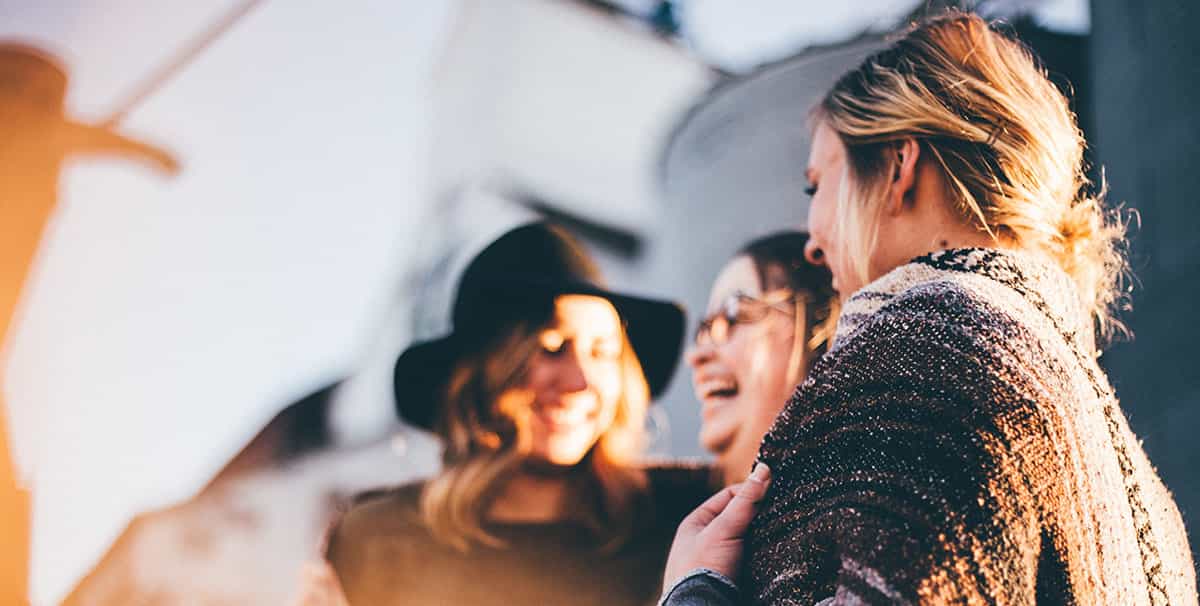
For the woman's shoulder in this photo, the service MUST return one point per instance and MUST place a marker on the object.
(391, 515)
(926, 322)
(407, 493)
(982, 295)
(403, 500)
(925, 348)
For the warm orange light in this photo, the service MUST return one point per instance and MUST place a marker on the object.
(35, 138)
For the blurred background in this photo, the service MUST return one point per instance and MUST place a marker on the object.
(215, 277)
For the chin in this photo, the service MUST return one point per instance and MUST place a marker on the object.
(564, 455)
(718, 434)
(562, 460)
(714, 444)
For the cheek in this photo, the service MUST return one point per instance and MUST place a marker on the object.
(515, 404)
(820, 218)
(605, 379)
(607, 385)
(767, 369)
(736, 355)
(538, 374)
(760, 364)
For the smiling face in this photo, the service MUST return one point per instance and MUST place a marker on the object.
(572, 383)
(743, 383)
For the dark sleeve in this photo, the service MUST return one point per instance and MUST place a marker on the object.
(701, 587)
(895, 480)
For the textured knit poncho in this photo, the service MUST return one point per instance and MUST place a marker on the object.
(959, 444)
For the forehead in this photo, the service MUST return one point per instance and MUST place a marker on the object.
(739, 275)
(586, 313)
(827, 149)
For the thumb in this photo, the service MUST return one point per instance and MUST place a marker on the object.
(703, 515)
(733, 521)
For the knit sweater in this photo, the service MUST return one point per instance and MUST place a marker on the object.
(960, 444)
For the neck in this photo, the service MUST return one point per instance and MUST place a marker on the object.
(532, 497)
(922, 235)
(968, 238)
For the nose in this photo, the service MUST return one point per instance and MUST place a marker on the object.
(571, 375)
(813, 253)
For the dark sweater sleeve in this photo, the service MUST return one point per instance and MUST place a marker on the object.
(702, 587)
(893, 477)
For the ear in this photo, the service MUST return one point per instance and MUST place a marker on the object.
(904, 175)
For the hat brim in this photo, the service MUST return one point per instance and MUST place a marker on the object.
(655, 329)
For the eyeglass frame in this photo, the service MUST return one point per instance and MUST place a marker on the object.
(728, 312)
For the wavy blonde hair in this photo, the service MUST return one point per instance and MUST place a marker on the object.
(483, 447)
(1003, 136)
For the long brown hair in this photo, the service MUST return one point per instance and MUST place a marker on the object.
(483, 446)
(1003, 137)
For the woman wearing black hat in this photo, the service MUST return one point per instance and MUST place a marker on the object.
(539, 394)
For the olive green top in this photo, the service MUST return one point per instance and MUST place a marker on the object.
(385, 555)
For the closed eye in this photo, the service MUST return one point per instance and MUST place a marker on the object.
(811, 190)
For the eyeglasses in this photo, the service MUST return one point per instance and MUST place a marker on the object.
(740, 308)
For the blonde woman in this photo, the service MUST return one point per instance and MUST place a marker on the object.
(959, 443)
(540, 395)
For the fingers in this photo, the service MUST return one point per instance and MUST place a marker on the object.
(755, 486)
(735, 518)
(707, 511)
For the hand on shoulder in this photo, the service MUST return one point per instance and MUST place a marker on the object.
(711, 536)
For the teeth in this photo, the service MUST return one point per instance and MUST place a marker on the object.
(717, 386)
(565, 416)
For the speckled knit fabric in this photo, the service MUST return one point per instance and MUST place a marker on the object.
(960, 444)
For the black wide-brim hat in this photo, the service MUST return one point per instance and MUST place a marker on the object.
(517, 277)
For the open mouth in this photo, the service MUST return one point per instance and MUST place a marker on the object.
(718, 389)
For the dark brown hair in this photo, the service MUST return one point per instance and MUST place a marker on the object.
(780, 264)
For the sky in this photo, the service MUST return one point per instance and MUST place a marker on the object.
(738, 35)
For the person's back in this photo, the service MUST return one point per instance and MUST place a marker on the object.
(957, 445)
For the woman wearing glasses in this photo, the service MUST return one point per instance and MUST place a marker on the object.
(770, 316)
